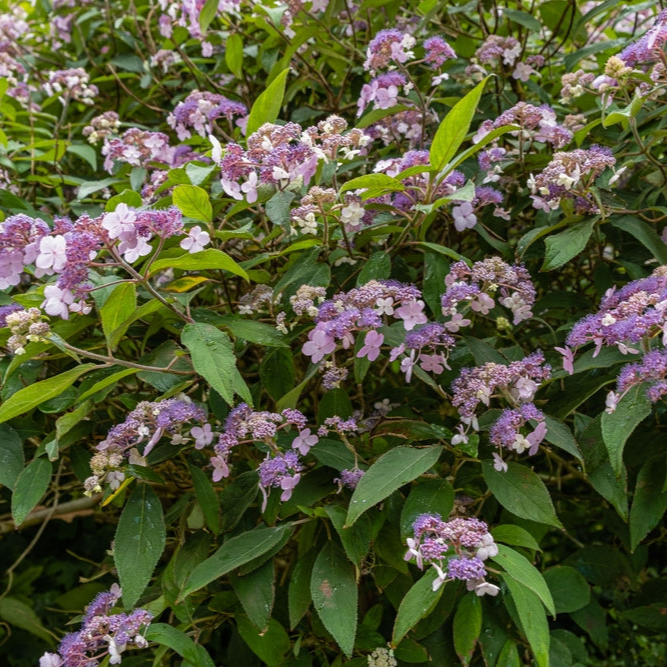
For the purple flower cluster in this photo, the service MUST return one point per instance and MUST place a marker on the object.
(651, 370)
(570, 175)
(349, 478)
(199, 111)
(404, 125)
(437, 51)
(511, 287)
(148, 421)
(102, 634)
(387, 47)
(383, 91)
(428, 346)
(102, 126)
(72, 84)
(649, 47)
(363, 309)
(496, 49)
(279, 469)
(462, 544)
(506, 431)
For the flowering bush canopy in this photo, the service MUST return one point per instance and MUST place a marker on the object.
(330, 343)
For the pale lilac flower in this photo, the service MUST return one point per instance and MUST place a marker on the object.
(372, 344)
(220, 468)
(195, 240)
(203, 435)
(464, 216)
(412, 314)
(119, 223)
(318, 346)
(498, 463)
(304, 441)
(57, 301)
(52, 253)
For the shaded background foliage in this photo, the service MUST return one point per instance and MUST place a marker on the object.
(583, 538)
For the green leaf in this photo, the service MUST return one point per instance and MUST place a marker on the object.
(85, 152)
(514, 535)
(389, 473)
(429, 496)
(278, 208)
(139, 542)
(356, 539)
(298, 593)
(30, 397)
(199, 261)
(467, 626)
(277, 373)
(233, 553)
(569, 588)
(234, 54)
(65, 423)
(509, 656)
(650, 501)
(207, 498)
(212, 357)
(129, 197)
(522, 492)
(256, 592)
(617, 427)
(107, 382)
(532, 618)
(644, 233)
(270, 646)
(253, 331)
(453, 129)
(12, 459)
(177, 640)
(31, 485)
(335, 403)
(207, 14)
(559, 434)
(140, 313)
(523, 18)
(266, 108)
(118, 307)
(193, 202)
(378, 267)
(418, 602)
(377, 184)
(20, 615)
(520, 568)
(334, 592)
(235, 499)
(333, 453)
(90, 187)
(562, 247)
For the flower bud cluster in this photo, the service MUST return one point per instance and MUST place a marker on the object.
(102, 126)
(459, 545)
(74, 83)
(25, 325)
(102, 634)
(199, 111)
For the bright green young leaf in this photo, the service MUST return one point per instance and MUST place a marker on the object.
(650, 501)
(569, 588)
(129, 197)
(532, 618)
(212, 357)
(207, 14)
(523, 18)
(30, 397)
(266, 108)
(374, 182)
(178, 641)
(85, 152)
(234, 54)
(233, 553)
(509, 655)
(617, 427)
(107, 382)
(416, 604)
(467, 626)
(118, 307)
(453, 129)
(256, 592)
(389, 473)
(514, 535)
(522, 492)
(562, 247)
(139, 313)
(520, 568)
(199, 261)
(31, 485)
(66, 422)
(12, 459)
(139, 542)
(334, 591)
(193, 202)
